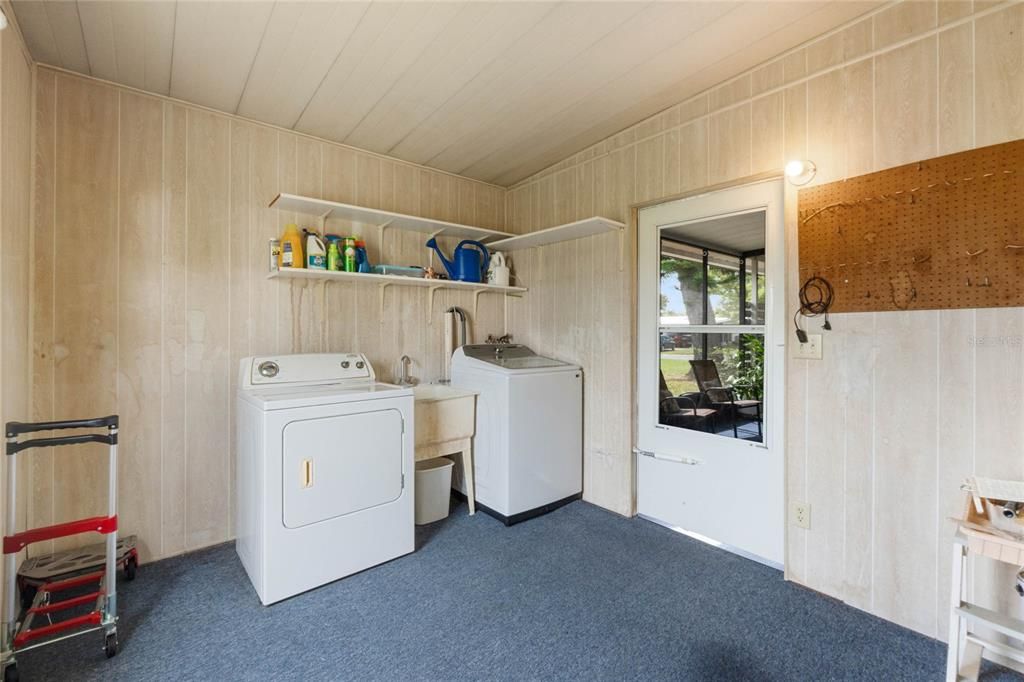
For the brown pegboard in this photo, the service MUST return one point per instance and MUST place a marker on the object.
(933, 234)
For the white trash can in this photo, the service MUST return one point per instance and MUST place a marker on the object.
(433, 489)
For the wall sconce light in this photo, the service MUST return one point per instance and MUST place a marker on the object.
(800, 172)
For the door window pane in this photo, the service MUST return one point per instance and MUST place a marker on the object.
(712, 381)
(720, 395)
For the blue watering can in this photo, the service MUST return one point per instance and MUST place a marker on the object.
(465, 265)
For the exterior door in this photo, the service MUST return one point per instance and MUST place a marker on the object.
(710, 335)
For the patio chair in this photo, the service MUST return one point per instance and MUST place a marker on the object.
(722, 397)
(682, 410)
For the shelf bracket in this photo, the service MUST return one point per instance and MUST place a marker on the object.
(430, 304)
(321, 292)
(383, 289)
(380, 234)
(476, 298)
(322, 219)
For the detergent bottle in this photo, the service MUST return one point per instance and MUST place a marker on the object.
(362, 259)
(290, 255)
(333, 256)
(348, 254)
(316, 252)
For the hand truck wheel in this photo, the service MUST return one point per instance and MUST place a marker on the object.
(109, 645)
(11, 673)
(130, 566)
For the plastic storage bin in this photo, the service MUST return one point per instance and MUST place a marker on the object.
(433, 489)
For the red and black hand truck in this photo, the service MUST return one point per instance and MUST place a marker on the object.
(19, 635)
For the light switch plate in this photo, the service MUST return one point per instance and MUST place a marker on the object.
(809, 350)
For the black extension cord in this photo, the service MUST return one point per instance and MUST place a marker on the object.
(816, 296)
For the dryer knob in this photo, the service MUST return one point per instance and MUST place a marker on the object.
(345, 364)
(269, 369)
(360, 364)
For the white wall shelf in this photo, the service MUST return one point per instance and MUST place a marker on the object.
(559, 233)
(332, 275)
(384, 281)
(326, 210)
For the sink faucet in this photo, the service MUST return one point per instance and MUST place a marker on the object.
(404, 378)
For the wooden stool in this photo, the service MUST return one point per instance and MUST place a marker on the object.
(965, 648)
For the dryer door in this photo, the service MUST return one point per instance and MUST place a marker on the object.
(340, 465)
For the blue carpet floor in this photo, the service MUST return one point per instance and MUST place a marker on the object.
(578, 594)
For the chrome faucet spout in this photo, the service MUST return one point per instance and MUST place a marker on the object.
(404, 378)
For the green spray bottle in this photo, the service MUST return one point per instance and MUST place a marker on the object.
(333, 256)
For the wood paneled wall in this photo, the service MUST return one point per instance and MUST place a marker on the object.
(881, 431)
(151, 229)
(16, 238)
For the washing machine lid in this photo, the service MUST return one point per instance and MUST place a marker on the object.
(507, 358)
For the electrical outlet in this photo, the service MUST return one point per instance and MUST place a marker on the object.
(810, 349)
(801, 515)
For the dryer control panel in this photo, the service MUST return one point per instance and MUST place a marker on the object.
(305, 369)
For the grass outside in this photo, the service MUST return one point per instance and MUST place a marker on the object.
(675, 365)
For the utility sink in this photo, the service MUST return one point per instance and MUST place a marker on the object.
(429, 392)
(443, 414)
(445, 425)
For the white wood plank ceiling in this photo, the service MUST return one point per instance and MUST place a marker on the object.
(491, 90)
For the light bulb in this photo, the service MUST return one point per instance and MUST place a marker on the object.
(3, 20)
(800, 172)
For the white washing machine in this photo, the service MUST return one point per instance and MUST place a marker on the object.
(528, 447)
(324, 471)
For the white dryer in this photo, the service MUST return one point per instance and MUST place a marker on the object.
(324, 466)
(528, 447)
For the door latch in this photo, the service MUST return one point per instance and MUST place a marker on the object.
(307, 473)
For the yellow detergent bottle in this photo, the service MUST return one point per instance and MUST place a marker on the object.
(290, 255)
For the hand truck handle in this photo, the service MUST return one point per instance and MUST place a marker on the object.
(15, 428)
(15, 448)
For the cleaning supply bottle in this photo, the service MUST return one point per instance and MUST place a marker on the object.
(290, 255)
(351, 264)
(316, 252)
(362, 259)
(333, 256)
